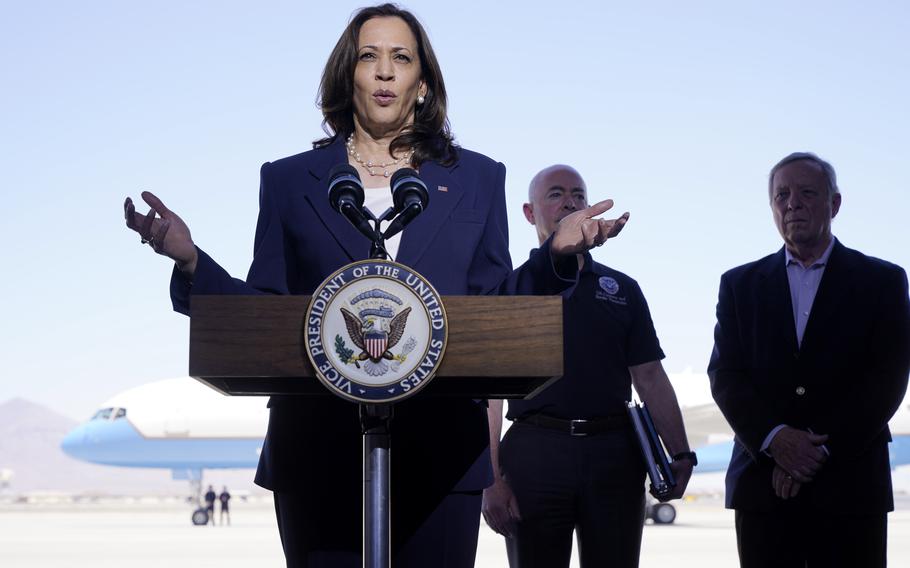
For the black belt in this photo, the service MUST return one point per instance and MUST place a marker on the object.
(612, 423)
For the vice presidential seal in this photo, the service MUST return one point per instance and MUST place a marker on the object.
(375, 332)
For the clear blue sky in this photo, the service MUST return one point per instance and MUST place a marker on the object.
(675, 110)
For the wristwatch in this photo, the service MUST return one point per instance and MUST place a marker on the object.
(686, 456)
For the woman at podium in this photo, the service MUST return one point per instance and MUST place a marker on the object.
(384, 105)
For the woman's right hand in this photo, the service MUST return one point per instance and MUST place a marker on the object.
(165, 232)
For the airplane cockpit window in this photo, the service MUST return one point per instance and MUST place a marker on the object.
(121, 412)
(103, 414)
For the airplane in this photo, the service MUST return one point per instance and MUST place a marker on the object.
(187, 427)
(178, 424)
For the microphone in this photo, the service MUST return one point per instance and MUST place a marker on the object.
(409, 197)
(346, 197)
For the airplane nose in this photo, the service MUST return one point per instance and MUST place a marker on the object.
(74, 443)
(99, 441)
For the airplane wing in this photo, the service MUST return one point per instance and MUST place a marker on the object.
(705, 425)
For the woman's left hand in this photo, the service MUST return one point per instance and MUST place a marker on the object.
(579, 232)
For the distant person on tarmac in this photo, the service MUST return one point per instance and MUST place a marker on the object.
(225, 509)
(210, 504)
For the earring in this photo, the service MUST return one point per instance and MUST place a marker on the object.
(420, 100)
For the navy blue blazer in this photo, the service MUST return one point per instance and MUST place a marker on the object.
(460, 243)
(846, 379)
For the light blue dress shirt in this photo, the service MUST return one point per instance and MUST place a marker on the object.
(804, 281)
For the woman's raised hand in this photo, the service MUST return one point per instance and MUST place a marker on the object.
(164, 231)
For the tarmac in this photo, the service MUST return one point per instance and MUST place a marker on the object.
(149, 533)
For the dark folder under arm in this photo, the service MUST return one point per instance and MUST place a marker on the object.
(652, 450)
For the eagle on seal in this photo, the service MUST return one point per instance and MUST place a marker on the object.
(375, 344)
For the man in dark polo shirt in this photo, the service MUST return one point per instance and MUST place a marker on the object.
(570, 462)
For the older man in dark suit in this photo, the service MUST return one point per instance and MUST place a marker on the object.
(810, 361)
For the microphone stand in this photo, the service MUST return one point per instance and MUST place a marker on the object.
(377, 244)
(375, 420)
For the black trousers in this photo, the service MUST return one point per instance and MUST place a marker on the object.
(593, 485)
(798, 536)
(447, 538)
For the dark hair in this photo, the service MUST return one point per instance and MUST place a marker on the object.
(430, 135)
(825, 167)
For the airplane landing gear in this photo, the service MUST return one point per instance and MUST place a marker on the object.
(661, 513)
(200, 516)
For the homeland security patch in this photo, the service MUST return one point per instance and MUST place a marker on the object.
(609, 285)
(375, 332)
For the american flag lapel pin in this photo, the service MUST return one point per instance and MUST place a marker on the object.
(442, 188)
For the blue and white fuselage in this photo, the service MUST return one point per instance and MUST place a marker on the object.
(178, 424)
(183, 425)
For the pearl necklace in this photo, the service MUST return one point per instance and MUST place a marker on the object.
(369, 165)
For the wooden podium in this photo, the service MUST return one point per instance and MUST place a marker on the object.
(498, 347)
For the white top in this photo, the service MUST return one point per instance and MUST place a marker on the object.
(377, 200)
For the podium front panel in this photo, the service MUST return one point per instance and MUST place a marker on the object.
(498, 346)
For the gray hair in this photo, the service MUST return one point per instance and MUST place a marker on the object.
(827, 168)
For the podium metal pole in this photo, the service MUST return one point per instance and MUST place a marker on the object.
(374, 423)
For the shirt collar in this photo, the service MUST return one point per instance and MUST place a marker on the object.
(820, 261)
(589, 264)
